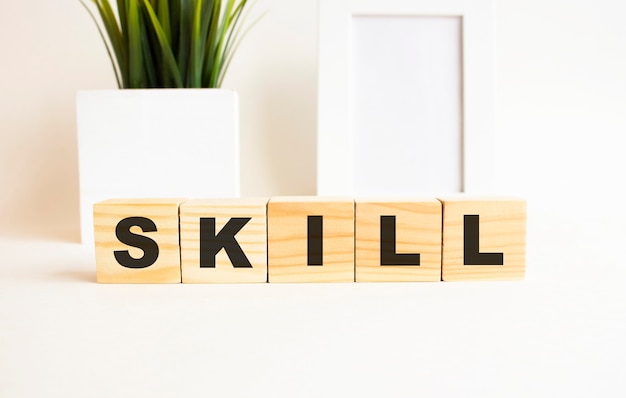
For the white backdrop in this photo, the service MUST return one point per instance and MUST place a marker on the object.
(560, 102)
(560, 122)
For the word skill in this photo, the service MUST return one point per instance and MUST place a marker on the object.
(309, 239)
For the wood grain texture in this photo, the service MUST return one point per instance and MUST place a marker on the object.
(502, 223)
(252, 239)
(164, 214)
(418, 230)
(287, 239)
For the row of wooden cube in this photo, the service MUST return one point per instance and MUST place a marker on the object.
(309, 239)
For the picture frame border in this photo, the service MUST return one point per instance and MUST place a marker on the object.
(335, 138)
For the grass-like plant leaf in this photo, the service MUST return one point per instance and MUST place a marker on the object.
(170, 67)
(136, 71)
(114, 32)
(169, 43)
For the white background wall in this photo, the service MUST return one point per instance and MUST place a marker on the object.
(561, 101)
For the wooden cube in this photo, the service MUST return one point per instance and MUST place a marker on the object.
(310, 239)
(483, 238)
(398, 240)
(223, 240)
(137, 241)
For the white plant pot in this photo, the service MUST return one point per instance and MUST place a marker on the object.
(156, 143)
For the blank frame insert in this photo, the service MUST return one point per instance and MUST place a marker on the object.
(407, 104)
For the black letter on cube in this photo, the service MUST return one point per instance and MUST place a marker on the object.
(471, 245)
(211, 244)
(314, 240)
(149, 247)
(388, 255)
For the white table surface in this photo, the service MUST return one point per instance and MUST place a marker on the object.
(560, 332)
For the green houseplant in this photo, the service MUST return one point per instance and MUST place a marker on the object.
(174, 132)
(169, 43)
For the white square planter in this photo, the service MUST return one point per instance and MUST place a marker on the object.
(156, 143)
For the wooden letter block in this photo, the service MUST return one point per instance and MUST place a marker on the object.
(310, 239)
(137, 241)
(483, 238)
(223, 240)
(398, 240)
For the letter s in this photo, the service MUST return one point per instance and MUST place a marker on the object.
(149, 246)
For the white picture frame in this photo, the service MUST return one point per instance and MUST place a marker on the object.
(335, 149)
